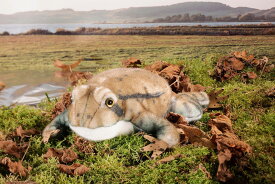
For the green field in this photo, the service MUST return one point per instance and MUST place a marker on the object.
(120, 160)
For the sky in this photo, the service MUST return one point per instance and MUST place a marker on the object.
(13, 6)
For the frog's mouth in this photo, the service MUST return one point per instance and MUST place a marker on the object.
(104, 133)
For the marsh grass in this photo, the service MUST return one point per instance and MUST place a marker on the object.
(120, 160)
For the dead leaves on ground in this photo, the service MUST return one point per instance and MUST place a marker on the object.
(17, 150)
(229, 146)
(63, 155)
(214, 99)
(63, 103)
(15, 167)
(221, 137)
(131, 63)
(66, 156)
(157, 146)
(174, 75)
(229, 66)
(74, 169)
(12, 148)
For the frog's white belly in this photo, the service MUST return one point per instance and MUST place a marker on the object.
(104, 133)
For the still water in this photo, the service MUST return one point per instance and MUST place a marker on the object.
(29, 87)
(22, 28)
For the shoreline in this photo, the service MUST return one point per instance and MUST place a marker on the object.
(228, 30)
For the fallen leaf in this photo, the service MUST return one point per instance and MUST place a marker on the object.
(83, 145)
(62, 104)
(235, 63)
(63, 155)
(2, 85)
(19, 132)
(248, 75)
(228, 144)
(15, 167)
(131, 63)
(157, 66)
(11, 148)
(47, 134)
(170, 72)
(75, 169)
(196, 136)
(157, 146)
(176, 118)
(175, 77)
(64, 67)
(229, 66)
(169, 159)
(77, 76)
(214, 99)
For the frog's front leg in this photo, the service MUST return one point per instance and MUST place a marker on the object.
(158, 126)
(58, 124)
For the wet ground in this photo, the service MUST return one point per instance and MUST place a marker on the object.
(30, 87)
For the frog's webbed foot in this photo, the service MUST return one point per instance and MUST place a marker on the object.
(159, 127)
(56, 126)
(190, 104)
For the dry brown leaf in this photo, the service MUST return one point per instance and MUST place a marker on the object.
(229, 66)
(76, 76)
(64, 67)
(157, 66)
(157, 146)
(19, 132)
(83, 145)
(131, 63)
(169, 159)
(47, 134)
(62, 104)
(176, 118)
(11, 148)
(177, 80)
(215, 99)
(248, 75)
(196, 136)
(234, 63)
(2, 85)
(75, 169)
(15, 167)
(64, 155)
(170, 72)
(228, 144)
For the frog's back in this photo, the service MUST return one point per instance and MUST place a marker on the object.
(139, 88)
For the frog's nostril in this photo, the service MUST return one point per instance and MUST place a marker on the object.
(77, 115)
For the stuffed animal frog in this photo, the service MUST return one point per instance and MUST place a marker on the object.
(126, 100)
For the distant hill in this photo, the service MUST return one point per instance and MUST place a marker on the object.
(127, 15)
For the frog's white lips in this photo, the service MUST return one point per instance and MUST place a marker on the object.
(104, 133)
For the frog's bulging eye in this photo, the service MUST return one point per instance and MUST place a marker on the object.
(109, 102)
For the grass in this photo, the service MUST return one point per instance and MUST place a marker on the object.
(120, 160)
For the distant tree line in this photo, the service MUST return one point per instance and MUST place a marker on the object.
(203, 18)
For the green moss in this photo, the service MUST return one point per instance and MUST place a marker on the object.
(120, 160)
(26, 116)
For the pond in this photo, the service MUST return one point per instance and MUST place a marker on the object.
(30, 87)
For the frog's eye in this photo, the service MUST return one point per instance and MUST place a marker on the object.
(109, 102)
